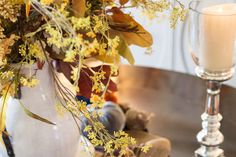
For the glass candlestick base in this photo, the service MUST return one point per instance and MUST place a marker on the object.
(209, 152)
(210, 136)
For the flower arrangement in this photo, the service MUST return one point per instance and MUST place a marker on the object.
(66, 35)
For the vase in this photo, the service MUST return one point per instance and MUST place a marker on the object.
(33, 138)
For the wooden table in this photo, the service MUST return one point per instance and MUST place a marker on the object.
(177, 100)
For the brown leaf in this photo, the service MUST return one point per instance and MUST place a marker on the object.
(79, 7)
(141, 37)
(85, 82)
(123, 2)
(40, 64)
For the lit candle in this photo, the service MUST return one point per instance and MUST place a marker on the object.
(218, 32)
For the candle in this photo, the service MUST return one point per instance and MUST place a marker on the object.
(217, 37)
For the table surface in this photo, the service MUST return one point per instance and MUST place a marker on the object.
(177, 100)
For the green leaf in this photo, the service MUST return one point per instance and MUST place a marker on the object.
(32, 115)
(123, 48)
(125, 51)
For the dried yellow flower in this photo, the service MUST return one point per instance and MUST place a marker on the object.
(5, 46)
(46, 2)
(29, 82)
(9, 10)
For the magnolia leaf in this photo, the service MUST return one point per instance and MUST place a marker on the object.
(109, 59)
(32, 115)
(140, 36)
(85, 82)
(123, 48)
(123, 2)
(79, 7)
(125, 51)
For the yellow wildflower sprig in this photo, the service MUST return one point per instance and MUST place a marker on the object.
(177, 13)
(29, 82)
(152, 9)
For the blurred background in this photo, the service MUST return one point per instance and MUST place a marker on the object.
(170, 48)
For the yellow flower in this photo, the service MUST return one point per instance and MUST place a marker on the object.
(88, 128)
(29, 82)
(113, 46)
(7, 75)
(91, 34)
(74, 73)
(22, 50)
(100, 25)
(146, 148)
(178, 13)
(82, 106)
(81, 23)
(97, 101)
(70, 56)
(98, 86)
(46, 2)
(114, 69)
(36, 52)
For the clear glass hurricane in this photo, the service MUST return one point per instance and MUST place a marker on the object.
(212, 36)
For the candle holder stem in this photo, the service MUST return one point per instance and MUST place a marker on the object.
(210, 136)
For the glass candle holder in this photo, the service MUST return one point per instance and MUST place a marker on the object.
(212, 39)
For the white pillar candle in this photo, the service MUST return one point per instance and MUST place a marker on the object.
(217, 37)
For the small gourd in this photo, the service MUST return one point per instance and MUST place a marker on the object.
(113, 117)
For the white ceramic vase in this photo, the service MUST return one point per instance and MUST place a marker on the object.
(33, 138)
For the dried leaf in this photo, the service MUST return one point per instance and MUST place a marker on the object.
(123, 2)
(109, 59)
(17, 1)
(85, 82)
(40, 64)
(3, 110)
(125, 51)
(6, 45)
(140, 37)
(27, 7)
(35, 116)
(123, 47)
(79, 7)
